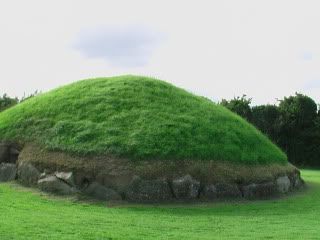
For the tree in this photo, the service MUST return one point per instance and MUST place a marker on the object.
(6, 102)
(296, 128)
(265, 118)
(240, 106)
(294, 125)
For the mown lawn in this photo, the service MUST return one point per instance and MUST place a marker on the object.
(25, 214)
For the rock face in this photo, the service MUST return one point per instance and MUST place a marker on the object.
(28, 174)
(228, 191)
(148, 190)
(186, 188)
(54, 185)
(259, 191)
(100, 192)
(283, 184)
(8, 172)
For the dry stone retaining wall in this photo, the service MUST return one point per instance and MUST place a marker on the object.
(134, 188)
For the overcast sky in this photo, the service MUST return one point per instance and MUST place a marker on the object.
(218, 49)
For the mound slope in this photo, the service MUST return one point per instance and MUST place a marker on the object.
(138, 118)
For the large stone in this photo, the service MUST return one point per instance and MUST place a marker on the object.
(186, 187)
(283, 184)
(148, 190)
(259, 191)
(13, 154)
(67, 177)
(82, 179)
(210, 192)
(98, 191)
(52, 184)
(28, 174)
(8, 153)
(4, 152)
(228, 191)
(296, 180)
(8, 172)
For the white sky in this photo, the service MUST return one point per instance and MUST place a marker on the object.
(219, 49)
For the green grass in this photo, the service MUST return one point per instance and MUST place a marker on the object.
(26, 214)
(138, 118)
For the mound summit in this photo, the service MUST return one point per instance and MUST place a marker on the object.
(132, 135)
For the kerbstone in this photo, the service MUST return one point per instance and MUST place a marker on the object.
(8, 172)
(141, 190)
(186, 187)
(283, 184)
(52, 184)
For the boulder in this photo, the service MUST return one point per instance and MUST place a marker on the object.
(98, 191)
(186, 187)
(43, 175)
(228, 191)
(4, 152)
(8, 153)
(259, 191)
(82, 179)
(209, 192)
(52, 184)
(13, 154)
(140, 190)
(283, 184)
(296, 180)
(67, 177)
(8, 172)
(28, 174)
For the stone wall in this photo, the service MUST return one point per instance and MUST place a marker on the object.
(111, 179)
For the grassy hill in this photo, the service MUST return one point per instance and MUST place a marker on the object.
(138, 118)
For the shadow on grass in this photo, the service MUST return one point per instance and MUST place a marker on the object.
(303, 201)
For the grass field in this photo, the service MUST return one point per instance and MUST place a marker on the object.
(26, 214)
(137, 118)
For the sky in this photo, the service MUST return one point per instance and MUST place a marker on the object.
(217, 49)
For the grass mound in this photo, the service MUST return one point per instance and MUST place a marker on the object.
(137, 118)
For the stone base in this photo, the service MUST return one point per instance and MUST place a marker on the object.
(111, 179)
(184, 188)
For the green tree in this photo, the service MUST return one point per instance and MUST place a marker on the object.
(265, 118)
(294, 125)
(6, 102)
(240, 106)
(296, 128)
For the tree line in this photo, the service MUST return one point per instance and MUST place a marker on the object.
(293, 124)
(7, 102)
